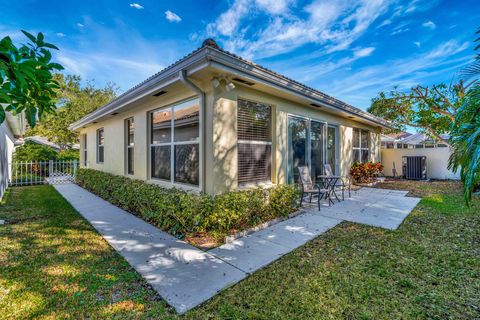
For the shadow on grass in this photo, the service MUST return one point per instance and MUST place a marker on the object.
(55, 265)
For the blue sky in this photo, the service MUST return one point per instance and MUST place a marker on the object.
(349, 49)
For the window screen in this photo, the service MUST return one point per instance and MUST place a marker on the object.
(360, 143)
(254, 125)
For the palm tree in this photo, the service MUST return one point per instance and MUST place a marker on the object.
(465, 136)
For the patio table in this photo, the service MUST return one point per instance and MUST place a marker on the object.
(329, 183)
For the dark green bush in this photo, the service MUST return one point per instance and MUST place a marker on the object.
(180, 212)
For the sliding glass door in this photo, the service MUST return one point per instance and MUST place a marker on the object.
(306, 147)
(297, 146)
(332, 148)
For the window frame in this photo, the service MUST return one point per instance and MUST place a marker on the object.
(84, 149)
(129, 146)
(172, 143)
(100, 145)
(258, 142)
(361, 148)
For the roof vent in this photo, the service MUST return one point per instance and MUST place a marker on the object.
(248, 83)
(158, 94)
(210, 43)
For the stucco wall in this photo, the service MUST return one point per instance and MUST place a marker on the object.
(220, 142)
(6, 151)
(225, 136)
(437, 161)
(114, 137)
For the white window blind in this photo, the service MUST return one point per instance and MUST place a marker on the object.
(254, 125)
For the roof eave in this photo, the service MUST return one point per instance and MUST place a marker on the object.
(161, 80)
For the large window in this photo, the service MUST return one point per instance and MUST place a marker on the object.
(174, 143)
(254, 125)
(129, 146)
(361, 145)
(100, 144)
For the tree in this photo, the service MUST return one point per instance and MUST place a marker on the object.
(33, 152)
(74, 102)
(465, 133)
(431, 110)
(26, 78)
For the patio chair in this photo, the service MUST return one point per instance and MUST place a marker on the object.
(342, 184)
(309, 188)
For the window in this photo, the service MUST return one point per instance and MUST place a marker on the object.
(100, 144)
(361, 145)
(174, 143)
(254, 125)
(129, 147)
(84, 142)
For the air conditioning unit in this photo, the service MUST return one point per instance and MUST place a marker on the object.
(414, 167)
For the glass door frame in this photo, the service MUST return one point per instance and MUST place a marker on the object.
(337, 147)
(308, 156)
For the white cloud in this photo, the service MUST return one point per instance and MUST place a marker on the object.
(384, 23)
(274, 6)
(80, 25)
(172, 17)
(136, 6)
(60, 34)
(417, 43)
(429, 24)
(361, 86)
(364, 52)
(332, 23)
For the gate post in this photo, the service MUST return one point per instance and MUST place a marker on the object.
(50, 168)
(74, 169)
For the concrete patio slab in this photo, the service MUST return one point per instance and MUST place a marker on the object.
(172, 267)
(295, 232)
(250, 253)
(382, 208)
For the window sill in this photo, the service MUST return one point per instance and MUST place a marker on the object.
(167, 184)
(251, 185)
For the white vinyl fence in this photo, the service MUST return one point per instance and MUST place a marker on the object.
(42, 172)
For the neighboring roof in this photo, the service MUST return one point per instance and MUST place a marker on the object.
(41, 140)
(211, 54)
(408, 138)
(399, 135)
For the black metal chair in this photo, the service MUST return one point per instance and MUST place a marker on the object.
(309, 188)
(342, 184)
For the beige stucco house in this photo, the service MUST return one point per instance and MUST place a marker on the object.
(213, 121)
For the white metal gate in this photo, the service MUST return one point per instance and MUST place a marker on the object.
(42, 172)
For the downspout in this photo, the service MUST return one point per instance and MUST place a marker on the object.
(187, 82)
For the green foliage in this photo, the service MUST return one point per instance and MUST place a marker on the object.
(428, 109)
(31, 151)
(68, 154)
(26, 78)
(180, 212)
(365, 172)
(74, 102)
(465, 136)
(34, 152)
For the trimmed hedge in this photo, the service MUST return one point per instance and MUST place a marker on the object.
(180, 212)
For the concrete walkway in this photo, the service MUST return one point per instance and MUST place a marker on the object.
(186, 276)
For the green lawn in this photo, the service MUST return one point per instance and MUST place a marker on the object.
(53, 264)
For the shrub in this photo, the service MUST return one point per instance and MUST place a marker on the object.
(180, 212)
(68, 154)
(31, 151)
(365, 172)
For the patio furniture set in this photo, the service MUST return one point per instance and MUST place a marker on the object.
(325, 187)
